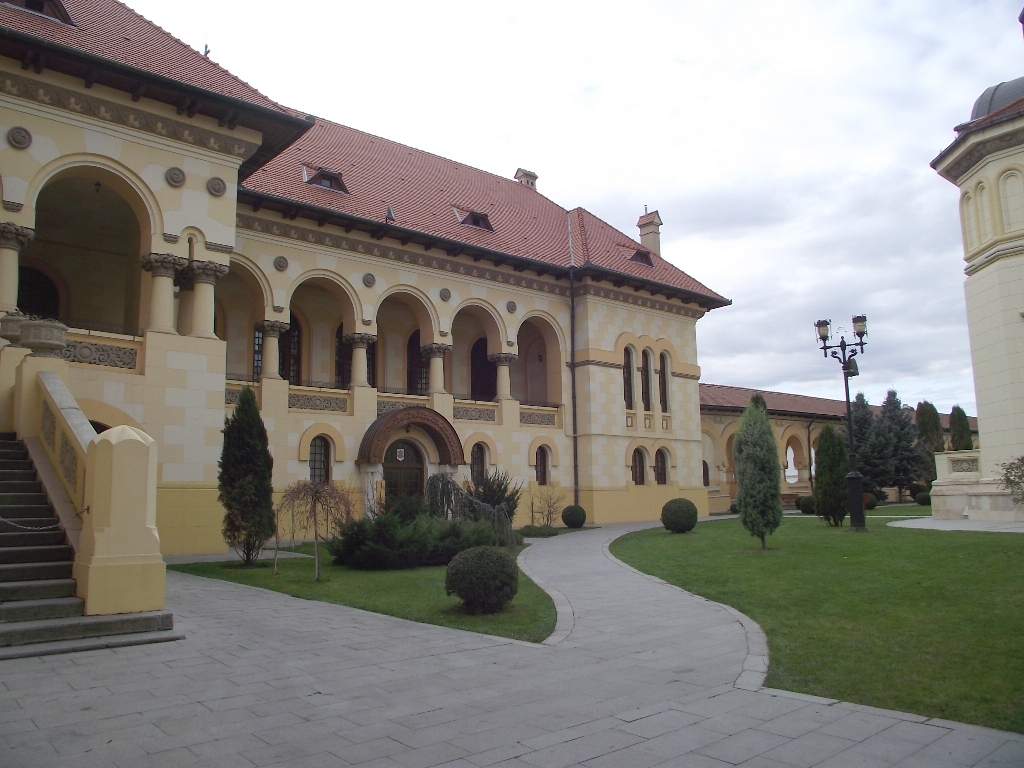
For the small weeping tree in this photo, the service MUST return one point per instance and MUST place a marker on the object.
(317, 506)
(446, 499)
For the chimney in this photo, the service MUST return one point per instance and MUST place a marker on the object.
(526, 178)
(650, 231)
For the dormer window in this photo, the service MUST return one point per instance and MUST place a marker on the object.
(327, 180)
(52, 8)
(642, 257)
(478, 220)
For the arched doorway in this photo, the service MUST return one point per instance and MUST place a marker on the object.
(403, 470)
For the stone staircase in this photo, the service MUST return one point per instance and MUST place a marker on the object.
(39, 613)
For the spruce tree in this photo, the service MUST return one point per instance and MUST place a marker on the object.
(245, 480)
(873, 445)
(930, 439)
(895, 421)
(757, 472)
(832, 464)
(960, 430)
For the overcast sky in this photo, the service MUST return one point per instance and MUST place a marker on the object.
(786, 144)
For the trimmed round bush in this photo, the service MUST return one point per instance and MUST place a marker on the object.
(923, 498)
(870, 502)
(485, 578)
(733, 509)
(574, 516)
(679, 515)
(806, 504)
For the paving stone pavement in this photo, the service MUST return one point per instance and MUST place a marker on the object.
(638, 674)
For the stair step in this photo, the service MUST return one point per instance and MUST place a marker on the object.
(25, 474)
(16, 464)
(8, 436)
(89, 644)
(46, 554)
(14, 511)
(31, 539)
(19, 487)
(13, 453)
(41, 589)
(35, 610)
(19, 498)
(33, 571)
(73, 628)
(18, 524)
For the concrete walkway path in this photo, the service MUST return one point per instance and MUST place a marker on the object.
(988, 526)
(638, 674)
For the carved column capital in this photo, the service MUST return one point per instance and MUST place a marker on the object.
(272, 327)
(502, 358)
(207, 271)
(434, 350)
(359, 339)
(163, 264)
(14, 237)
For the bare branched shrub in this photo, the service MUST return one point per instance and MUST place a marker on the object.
(320, 506)
(546, 504)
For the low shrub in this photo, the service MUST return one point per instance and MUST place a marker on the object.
(805, 504)
(679, 515)
(870, 502)
(385, 543)
(733, 509)
(538, 531)
(923, 498)
(916, 488)
(574, 516)
(485, 578)
(405, 508)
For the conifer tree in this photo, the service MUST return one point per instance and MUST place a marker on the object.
(960, 430)
(901, 432)
(930, 439)
(245, 480)
(873, 446)
(757, 473)
(832, 464)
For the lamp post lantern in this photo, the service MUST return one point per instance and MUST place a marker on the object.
(846, 354)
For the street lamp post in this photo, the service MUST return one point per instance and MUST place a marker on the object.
(846, 355)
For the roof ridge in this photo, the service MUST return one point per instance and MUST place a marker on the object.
(765, 391)
(611, 226)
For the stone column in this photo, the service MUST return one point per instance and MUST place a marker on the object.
(272, 330)
(504, 382)
(12, 239)
(186, 300)
(204, 275)
(161, 303)
(359, 342)
(435, 353)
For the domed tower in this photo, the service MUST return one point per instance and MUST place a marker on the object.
(986, 162)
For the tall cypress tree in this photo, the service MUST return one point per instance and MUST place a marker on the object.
(245, 480)
(757, 473)
(831, 466)
(960, 430)
(895, 421)
(930, 439)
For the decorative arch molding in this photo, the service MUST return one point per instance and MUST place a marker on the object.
(665, 445)
(135, 191)
(489, 318)
(644, 445)
(421, 306)
(331, 433)
(251, 270)
(553, 327)
(548, 443)
(481, 437)
(347, 298)
(105, 413)
(377, 436)
(639, 343)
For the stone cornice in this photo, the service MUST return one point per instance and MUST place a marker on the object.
(118, 114)
(972, 154)
(636, 300)
(1003, 251)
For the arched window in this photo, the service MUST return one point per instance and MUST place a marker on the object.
(661, 467)
(970, 223)
(984, 215)
(291, 352)
(478, 463)
(320, 460)
(645, 379)
(417, 371)
(707, 474)
(542, 465)
(639, 474)
(483, 374)
(663, 374)
(627, 379)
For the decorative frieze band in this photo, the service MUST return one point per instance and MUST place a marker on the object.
(601, 363)
(317, 403)
(387, 406)
(100, 354)
(963, 465)
(469, 413)
(536, 418)
(637, 300)
(130, 117)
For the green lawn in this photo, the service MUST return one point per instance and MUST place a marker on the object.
(416, 594)
(930, 622)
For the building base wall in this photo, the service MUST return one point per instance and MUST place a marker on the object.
(636, 503)
(189, 519)
(980, 500)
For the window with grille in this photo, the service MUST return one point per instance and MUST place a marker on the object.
(257, 354)
(291, 352)
(645, 380)
(627, 379)
(478, 463)
(342, 360)
(661, 467)
(638, 467)
(320, 460)
(417, 371)
(542, 465)
(663, 374)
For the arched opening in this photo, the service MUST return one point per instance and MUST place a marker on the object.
(627, 379)
(89, 237)
(320, 460)
(645, 379)
(639, 468)
(319, 357)
(483, 374)
(791, 472)
(542, 462)
(537, 373)
(403, 470)
(403, 328)
(661, 467)
(796, 462)
(730, 466)
(478, 463)
(343, 360)
(707, 473)
(664, 371)
(290, 352)
(417, 370)
(239, 298)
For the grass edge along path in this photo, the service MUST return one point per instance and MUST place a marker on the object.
(416, 594)
(929, 622)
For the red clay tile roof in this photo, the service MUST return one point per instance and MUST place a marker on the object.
(647, 218)
(113, 31)
(426, 193)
